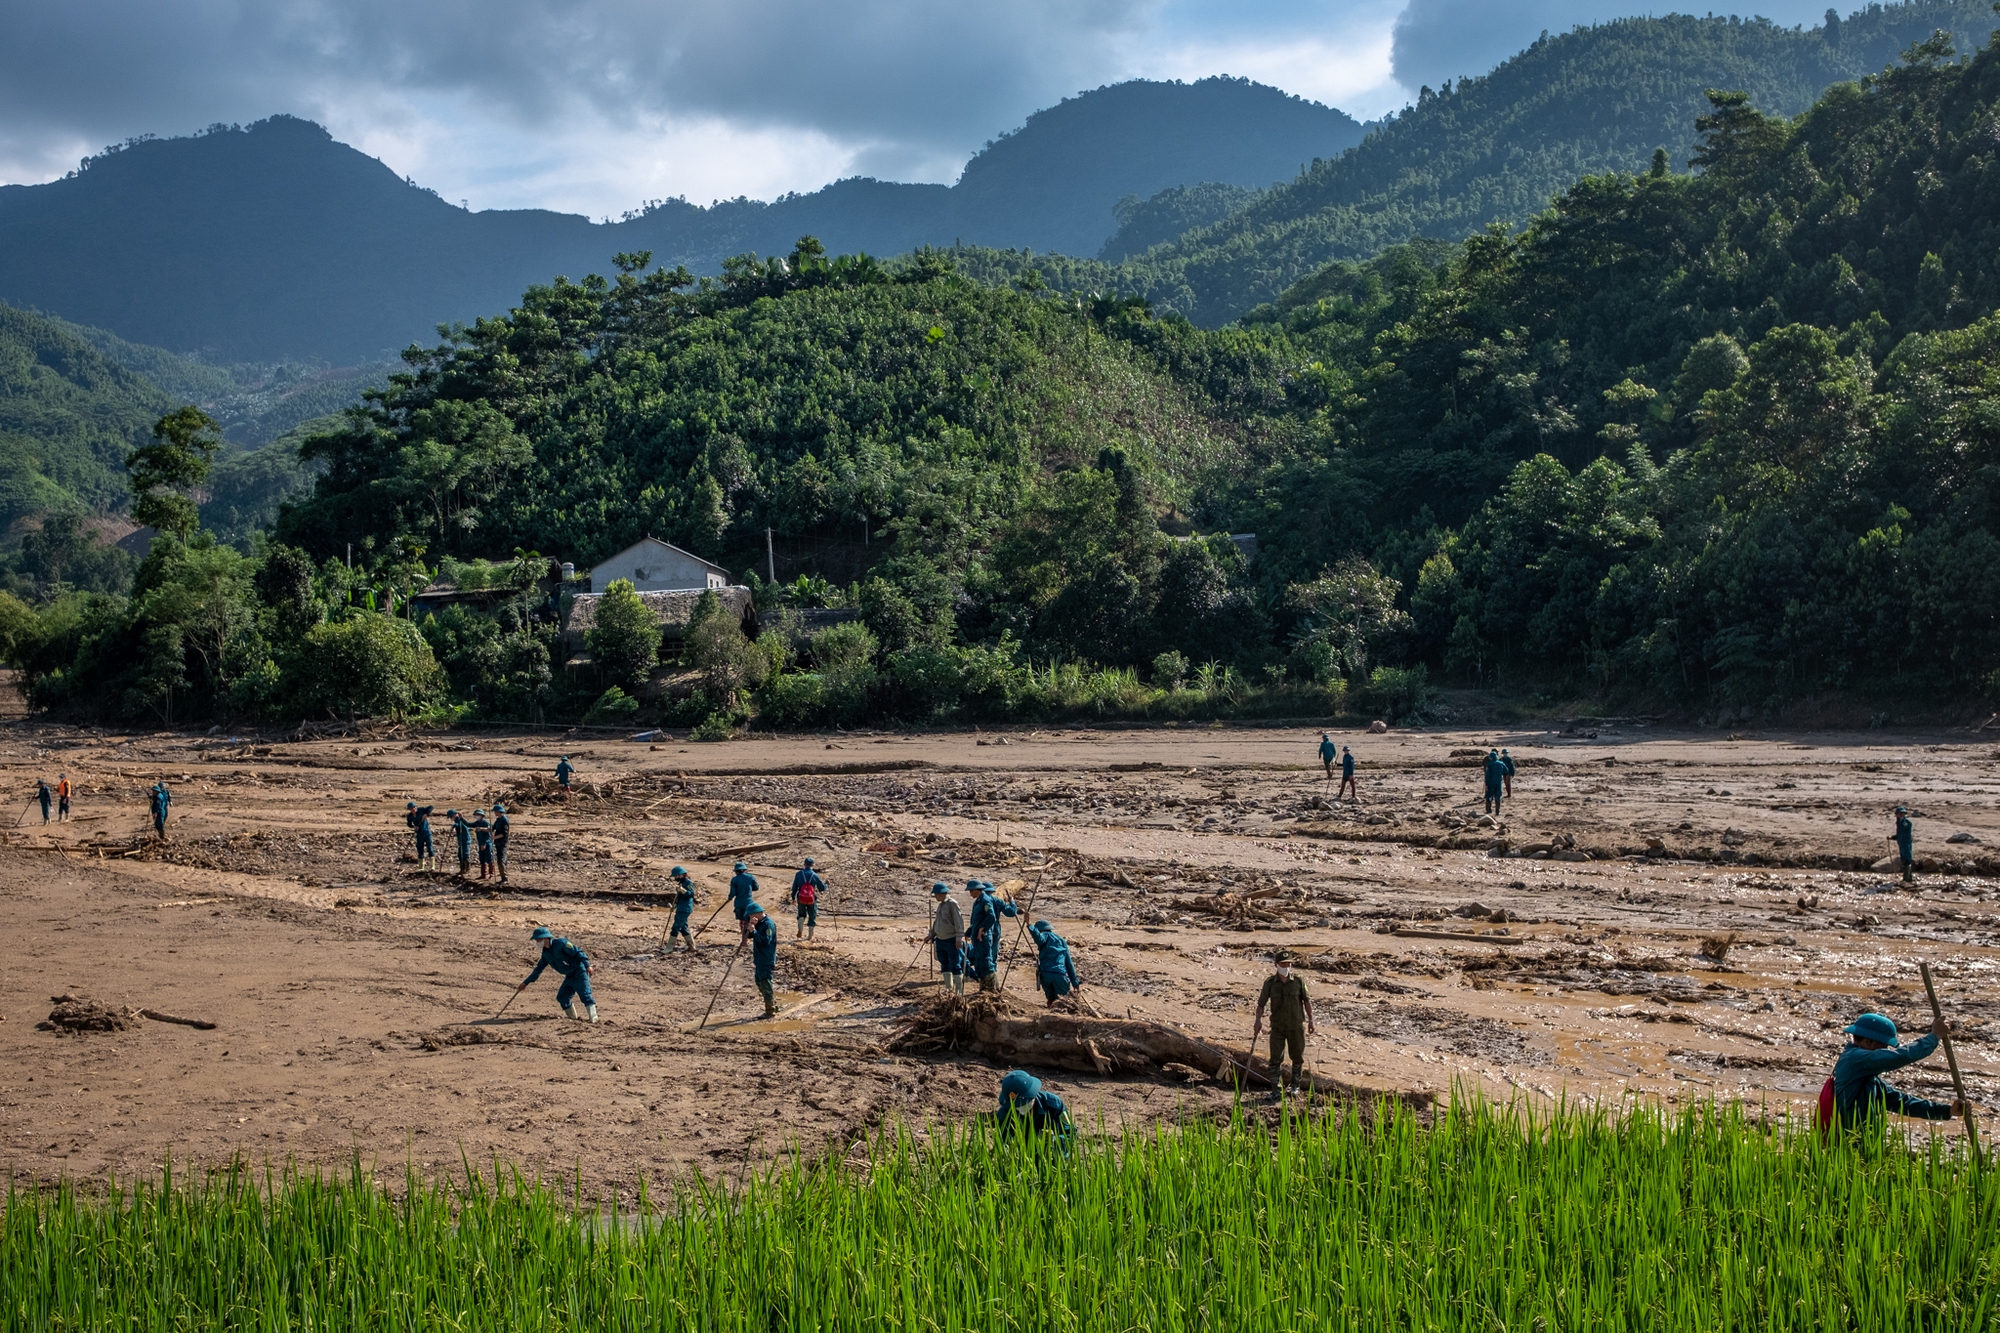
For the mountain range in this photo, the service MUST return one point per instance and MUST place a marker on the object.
(275, 241)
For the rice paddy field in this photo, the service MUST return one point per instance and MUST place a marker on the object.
(1476, 1219)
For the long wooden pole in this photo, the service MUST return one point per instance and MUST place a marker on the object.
(1951, 1058)
(1022, 932)
(718, 985)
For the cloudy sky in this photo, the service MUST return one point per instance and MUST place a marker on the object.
(593, 106)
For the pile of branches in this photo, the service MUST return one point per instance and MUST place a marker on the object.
(1247, 909)
(989, 1025)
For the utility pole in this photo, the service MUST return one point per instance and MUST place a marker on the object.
(770, 556)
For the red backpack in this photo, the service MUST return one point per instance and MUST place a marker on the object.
(808, 893)
(1825, 1117)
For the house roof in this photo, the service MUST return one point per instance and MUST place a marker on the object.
(709, 565)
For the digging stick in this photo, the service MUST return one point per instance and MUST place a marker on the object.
(510, 1000)
(24, 814)
(1022, 932)
(718, 985)
(912, 963)
(1951, 1058)
(711, 918)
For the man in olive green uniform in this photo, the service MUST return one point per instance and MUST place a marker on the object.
(1291, 1019)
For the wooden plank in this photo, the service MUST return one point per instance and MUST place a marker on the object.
(1461, 935)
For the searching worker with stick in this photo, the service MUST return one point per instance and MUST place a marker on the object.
(574, 965)
(1858, 1090)
(763, 956)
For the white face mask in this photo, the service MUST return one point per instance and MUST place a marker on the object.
(1284, 971)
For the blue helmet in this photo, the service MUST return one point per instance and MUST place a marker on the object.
(1019, 1083)
(1875, 1027)
(542, 933)
(678, 870)
(754, 909)
(939, 886)
(741, 866)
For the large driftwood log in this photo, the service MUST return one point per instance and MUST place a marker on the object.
(989, 1026)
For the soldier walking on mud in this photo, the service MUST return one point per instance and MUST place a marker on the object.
(162, 800)
(742, 892)
(985, 933)
(683, 908)
(1328, 752)
(1347, 784)
(419, 820)
(947, 935)
(482, 832)
(1496, 774)
(462, 831)
(44, 793)
(1291, 1022)
(563, 774)
(807, 886)
(503, 830)
(763, 955)
(1507, 773)
(1904, 837)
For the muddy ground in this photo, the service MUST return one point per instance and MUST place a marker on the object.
(1560, 954)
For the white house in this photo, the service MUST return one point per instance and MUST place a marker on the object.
(656, 566)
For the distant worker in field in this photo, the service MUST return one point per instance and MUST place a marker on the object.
(563, 772)
(45, 794)
(1507, 773)
(742, 892)
(807, 887)
(1905, 839)
(503, 831)
(1027, 1107)
(1347, 785)
(1055, 970)
(62, 796)
(1496, 776)
(1328, 752)
(986, 932)
(574, 966)
(683, 908)
(482, 833)
(162, 801)
(1857, 1088)
(418, 818)
(947, 935)
(1291, 1021)
(763, 955)
(463, 832)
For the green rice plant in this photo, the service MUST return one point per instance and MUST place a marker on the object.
(1372, 1218)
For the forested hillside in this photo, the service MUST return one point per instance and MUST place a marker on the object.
(1711, 441)
(274, 242)
(1497, 148)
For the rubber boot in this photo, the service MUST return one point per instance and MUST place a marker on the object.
(567, 1011)
(593, 1013)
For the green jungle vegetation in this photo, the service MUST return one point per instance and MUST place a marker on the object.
(1370, 1219)
(1712, 442)
(1497, 148)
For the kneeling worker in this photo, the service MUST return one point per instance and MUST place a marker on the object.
(1291, 1020)
(1055, 970)
(763, 955)
(1026, 1105)
(1859, 1090)
(574, 965)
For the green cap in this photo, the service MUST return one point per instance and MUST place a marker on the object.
(542, 933)
(678, 870)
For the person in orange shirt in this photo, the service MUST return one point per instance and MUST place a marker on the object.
(62, 796)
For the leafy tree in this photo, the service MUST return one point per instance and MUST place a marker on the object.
(715, 646)
(367, 665)
(624, 639)
(166, 471)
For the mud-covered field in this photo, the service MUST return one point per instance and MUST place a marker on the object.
(1666, 915)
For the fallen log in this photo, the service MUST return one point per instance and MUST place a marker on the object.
(159, 1017)
(1108, 1047)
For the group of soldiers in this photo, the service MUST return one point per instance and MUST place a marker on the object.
(55, 797)
(488, 837)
